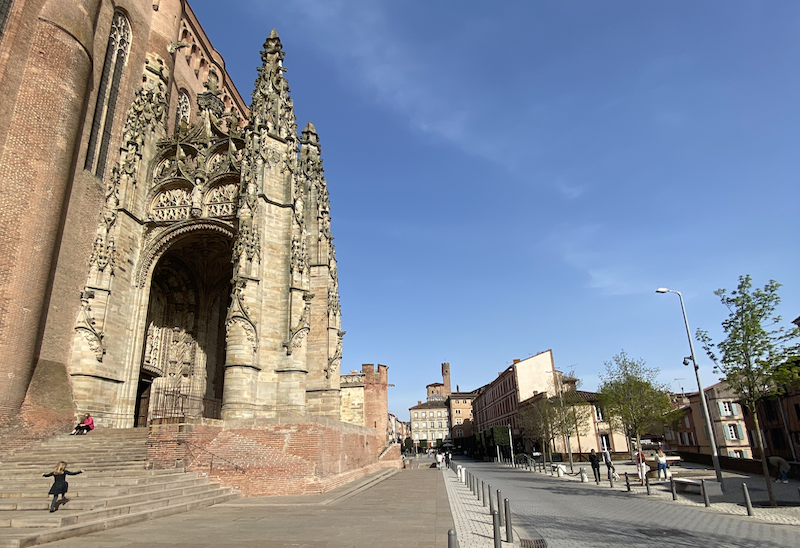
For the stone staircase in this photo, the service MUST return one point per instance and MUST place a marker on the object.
(115, 489)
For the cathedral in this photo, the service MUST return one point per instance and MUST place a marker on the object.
(166, 253)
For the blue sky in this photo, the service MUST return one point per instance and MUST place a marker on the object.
(516, 176)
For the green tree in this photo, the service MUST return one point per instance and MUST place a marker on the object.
(636, 402)
(564, 414)
(755, 355)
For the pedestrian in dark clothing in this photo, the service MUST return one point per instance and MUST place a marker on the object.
(60, 485)
(594, 460)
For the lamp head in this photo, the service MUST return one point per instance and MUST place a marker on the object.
(662, 290)
(686, 360)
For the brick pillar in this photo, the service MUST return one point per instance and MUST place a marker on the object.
(36, 167)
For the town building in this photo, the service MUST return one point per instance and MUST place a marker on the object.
(166, 251)
(429, 423)
(779, 419)
(727, 419)
(459, 406)
(496, 403)
(364, 398)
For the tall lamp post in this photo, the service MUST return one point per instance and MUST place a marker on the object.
(703, 401)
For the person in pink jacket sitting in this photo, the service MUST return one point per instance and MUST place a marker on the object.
(85, 426)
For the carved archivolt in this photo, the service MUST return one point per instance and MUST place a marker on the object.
(159, 246)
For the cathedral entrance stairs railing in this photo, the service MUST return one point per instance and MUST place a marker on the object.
(175, 406)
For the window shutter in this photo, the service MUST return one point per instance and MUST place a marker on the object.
(731, 454)
(744, 455)
(737, 409)
(721, 406)
(727, 432)
(739, 431)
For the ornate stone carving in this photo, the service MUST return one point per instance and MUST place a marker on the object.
(336, 359)
(239, 313)
(299, 332)
(334, 307)
(209, 100)
(221, 201)
(272, 107)
(86, 325)
(172, 205)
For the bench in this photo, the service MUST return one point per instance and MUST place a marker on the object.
(713, 487)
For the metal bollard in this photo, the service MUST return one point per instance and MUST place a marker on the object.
(705, 493)
(747, 502)
(647, 483)
(500, 506)
(509, 533)
(584, 477)
(611, 481)
(491, 500)
(483, 493)
(627, 483)
(451, 539)
(673, 488)
(496, 524)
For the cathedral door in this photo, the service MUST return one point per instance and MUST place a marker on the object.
(184, 350)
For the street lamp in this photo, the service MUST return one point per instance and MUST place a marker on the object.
(703, 401)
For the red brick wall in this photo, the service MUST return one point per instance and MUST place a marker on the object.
(271, 459)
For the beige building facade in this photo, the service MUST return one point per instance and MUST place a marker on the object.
(727, 419)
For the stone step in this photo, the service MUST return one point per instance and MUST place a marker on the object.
(88, 491)
(89, 503)
(87, 480)
(73, 460)
(117, 488)
(123, 473)
(69, 514)
(22, 537)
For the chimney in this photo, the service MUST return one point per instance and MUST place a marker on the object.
(516, 360)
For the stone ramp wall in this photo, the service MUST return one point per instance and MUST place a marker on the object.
(270, 458)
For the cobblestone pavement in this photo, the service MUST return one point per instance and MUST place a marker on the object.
(568, 513)
(473, 523)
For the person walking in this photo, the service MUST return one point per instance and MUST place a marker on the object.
(612, 471)
(60, 485)
(594, 460)
(661, 459)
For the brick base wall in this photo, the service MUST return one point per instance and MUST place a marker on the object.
(271, 458)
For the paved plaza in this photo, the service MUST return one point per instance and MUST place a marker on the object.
(417, 507)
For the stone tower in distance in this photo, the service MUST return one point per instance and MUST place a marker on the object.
(446, 378)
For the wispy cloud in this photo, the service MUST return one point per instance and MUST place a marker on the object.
(609, 265)
(394, 72)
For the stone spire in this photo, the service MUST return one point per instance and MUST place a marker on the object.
(272, 108)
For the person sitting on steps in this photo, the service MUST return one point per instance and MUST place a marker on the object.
(85, 426)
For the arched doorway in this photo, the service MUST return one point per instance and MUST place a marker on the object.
(183, 356)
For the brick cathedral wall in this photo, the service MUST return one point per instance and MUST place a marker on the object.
(271, 459)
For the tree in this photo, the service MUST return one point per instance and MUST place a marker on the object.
(563, 414)
(636, 402)
(537, 419)
(754, 356)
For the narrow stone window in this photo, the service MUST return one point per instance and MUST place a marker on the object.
(5, 9)
(184, 110)
(119, 41)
